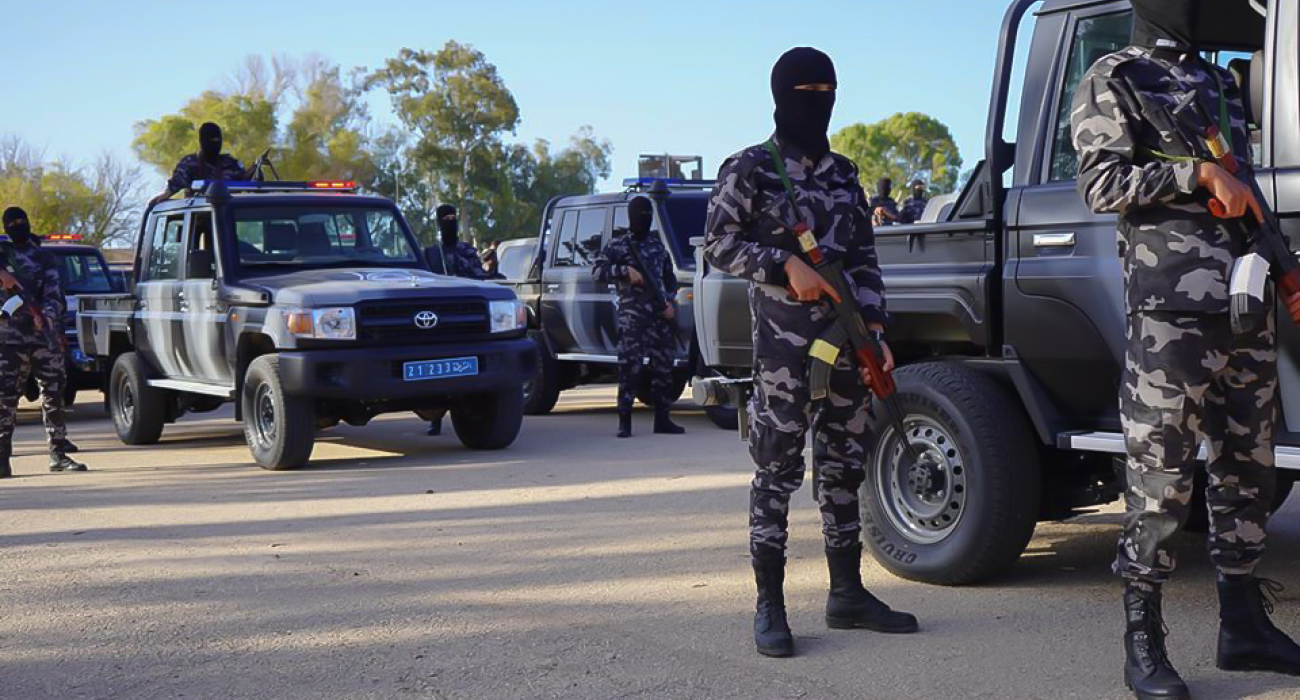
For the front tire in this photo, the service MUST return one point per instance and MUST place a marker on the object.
(490, 421)
(969, 513)
(280, 429)
(139, 410)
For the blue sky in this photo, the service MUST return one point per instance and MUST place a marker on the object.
(684, 77)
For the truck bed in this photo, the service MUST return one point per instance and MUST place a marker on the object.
(98, 315)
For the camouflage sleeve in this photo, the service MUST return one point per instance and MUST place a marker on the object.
(865, 274)
(1106, 130)
(731, 212)
(52, 299)
(610, 266)
(181, 176)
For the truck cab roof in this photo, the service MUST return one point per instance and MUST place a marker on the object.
(288, 192)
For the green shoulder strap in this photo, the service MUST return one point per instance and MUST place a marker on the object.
(779, 161)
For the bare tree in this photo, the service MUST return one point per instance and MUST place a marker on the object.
(255, 78)
(117, 185)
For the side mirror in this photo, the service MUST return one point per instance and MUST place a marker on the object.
(200, 265)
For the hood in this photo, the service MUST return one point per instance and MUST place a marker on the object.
(314, 288)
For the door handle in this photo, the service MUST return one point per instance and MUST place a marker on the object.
(552, 287)
(612, 287)
(1054, 240)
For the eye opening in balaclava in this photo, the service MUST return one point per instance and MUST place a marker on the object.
(803, 117)
(884, 187)
(16, 225)
(918, 189)
(1166, 24)
(640, 216)
(448, 225)
(210, 141)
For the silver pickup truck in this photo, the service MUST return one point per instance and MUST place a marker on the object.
(1008, 315)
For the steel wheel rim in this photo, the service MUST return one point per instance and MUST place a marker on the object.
(125, 403)
(264, 416)
(925, 502)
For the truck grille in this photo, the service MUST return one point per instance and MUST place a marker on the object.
(395, 322)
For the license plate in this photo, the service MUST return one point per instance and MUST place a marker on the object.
(440, 369)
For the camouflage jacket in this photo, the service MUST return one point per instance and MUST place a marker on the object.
(38, 273)
(192, 168)
(462, 260)
(612, 265)
(1176, 255)
(890, 206)
(743, 240)
(913, 208)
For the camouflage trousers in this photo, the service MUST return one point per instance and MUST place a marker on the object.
(16, 363)
(1188, 380)
(781, 414)
(644, 345)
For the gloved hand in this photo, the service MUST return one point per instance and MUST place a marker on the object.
(1289, 290)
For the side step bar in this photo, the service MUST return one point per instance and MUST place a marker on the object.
(1288, 457)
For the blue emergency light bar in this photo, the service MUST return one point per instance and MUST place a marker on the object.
(645, 183)
(278, 186)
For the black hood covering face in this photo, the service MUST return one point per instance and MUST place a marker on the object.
(804, 116)
(17, 226)
(210, 141)
(884, 187)
(1167, 24)
(640, 216)
(448, 226)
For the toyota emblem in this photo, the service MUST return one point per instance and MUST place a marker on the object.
(426, 319)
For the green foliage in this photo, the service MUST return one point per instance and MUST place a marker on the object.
(248, 124)
(903, 147)
(99, 201)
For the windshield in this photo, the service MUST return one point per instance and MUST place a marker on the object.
(320, 236)
(83, 273)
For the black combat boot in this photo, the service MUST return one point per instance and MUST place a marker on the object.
(6, 470)
(664, 424)
(1248, 640)
(60, 462)
(67, 447)
(1147, 671)
(625, 424)
(435, 428)
(850, 606)
(772, 635)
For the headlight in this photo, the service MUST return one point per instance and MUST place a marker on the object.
(506, 316)
(327, 324)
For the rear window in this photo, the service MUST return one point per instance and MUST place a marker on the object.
(513, 261)
(686, 219)
(84, 273)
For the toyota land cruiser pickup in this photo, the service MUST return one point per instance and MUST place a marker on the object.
(306, 304)
(1008, 314)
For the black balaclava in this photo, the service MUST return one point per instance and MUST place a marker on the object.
(448, 226)
(640, 216)
(884, 187)
(210, 141)
(804, 116)
(17, 226)
(918, 190)
(1166, 24)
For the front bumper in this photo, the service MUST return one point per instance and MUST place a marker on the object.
(375, 374)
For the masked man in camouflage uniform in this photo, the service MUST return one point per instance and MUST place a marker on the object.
(646, 335)
(749, 235)
(884, 208)
(914, 207)
(451, 256)
(31, 340)
(1187, 377)
(208, 164)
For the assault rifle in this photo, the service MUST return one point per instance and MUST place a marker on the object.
(849, 329)
(1202, 140)
(652, 282)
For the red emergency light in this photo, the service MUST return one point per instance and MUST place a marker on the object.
(332, 185)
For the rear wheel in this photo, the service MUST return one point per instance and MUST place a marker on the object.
(280, 429)
(968, 511)
(138, 409)
(489, 421)
(542, 391)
